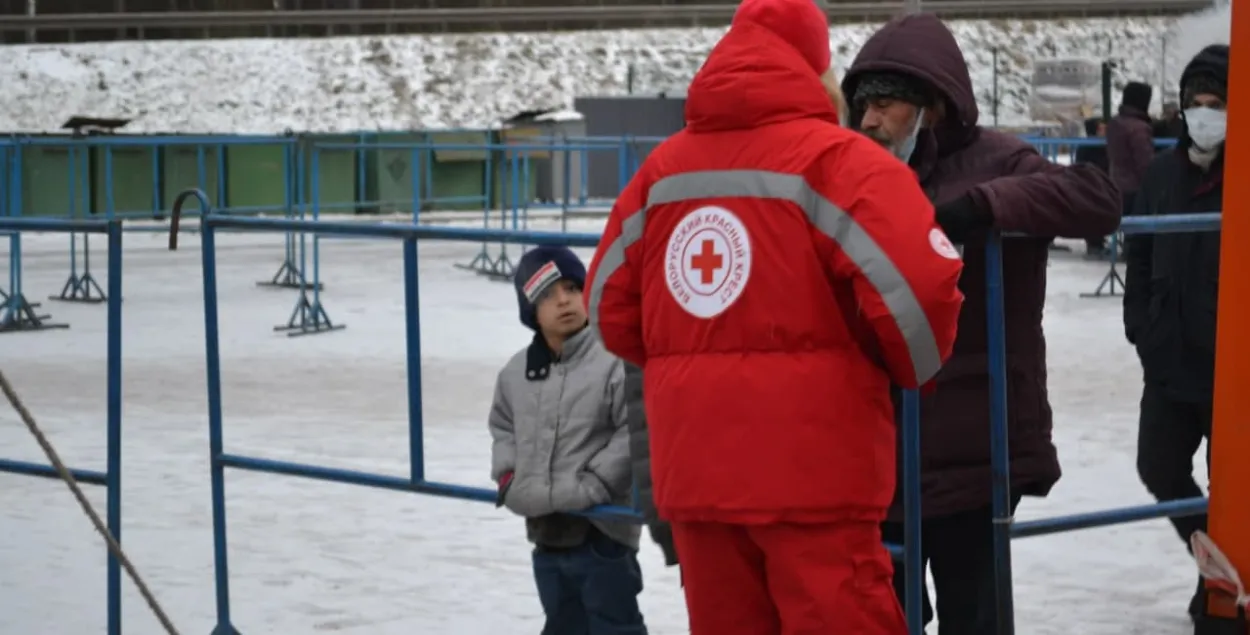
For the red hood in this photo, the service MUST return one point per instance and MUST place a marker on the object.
(754, 78)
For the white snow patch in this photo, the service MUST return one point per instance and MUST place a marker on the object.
(561, 115)
(452, 81)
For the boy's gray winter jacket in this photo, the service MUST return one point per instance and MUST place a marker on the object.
(559, 426)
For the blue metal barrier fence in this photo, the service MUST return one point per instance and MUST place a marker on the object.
(507, 197)
(1005, 527)
(111, 477)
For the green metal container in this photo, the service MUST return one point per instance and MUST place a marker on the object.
(256, 178)
(46, 182)
(335, 188)
(134, 184)
(517, 170)
(180, 170)
(388, 186)
(457, 177)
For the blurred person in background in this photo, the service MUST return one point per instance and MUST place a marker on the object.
(910, 91)
(1130, 141)
(1169, 125)
(1095, 155)
(1170, 289)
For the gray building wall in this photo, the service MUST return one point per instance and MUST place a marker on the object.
(617, 117)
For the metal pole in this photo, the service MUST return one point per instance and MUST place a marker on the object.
(1230, 516)
(114, 419)
(994, 57)
(1163, 68)
(913, 549)
(1000, 460)
(32, 8)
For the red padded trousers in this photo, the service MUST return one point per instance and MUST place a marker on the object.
(788, 579)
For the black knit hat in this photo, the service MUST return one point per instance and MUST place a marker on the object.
(1206, 73)
(1137, 95)
(891, 85)
(537, 270)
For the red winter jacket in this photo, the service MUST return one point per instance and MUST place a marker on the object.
(772, 273)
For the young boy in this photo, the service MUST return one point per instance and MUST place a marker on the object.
(561, 444)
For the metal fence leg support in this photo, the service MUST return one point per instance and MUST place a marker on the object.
(481, 262)
(500, 269)
(309, 316)
(289, 275)
(913, 558)
(17, 313)
(114, 490)
(215, 437)
(999, 457)
(82, 288)
(1112, 278)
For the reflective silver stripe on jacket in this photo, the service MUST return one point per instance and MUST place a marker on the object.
(855, 242)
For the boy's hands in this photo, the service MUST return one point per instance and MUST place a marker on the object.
(505, 482)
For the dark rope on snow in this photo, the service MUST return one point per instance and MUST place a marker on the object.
(114, 547)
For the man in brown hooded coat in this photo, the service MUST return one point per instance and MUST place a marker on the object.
(909, 89)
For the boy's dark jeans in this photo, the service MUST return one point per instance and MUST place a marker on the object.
(591, 589)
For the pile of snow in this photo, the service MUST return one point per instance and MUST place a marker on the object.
(450, 81)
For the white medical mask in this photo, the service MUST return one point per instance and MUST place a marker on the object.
(1206, 127)
(905, 149)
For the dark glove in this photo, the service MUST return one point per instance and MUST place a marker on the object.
(505, 482)
(662, 534)
(964, 218)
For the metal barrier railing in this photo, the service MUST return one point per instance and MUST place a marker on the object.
(1005, 526)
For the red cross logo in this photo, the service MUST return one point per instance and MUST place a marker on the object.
(707, 262)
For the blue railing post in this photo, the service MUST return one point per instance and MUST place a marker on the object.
(212, 366)
(111, 477)
(999, 458)
(310, 317)
(913, 554)
(201, 169)
(157, 185)
(414, 178)
(222, 200)
(114, 384)
(110, 204)
(412, 323)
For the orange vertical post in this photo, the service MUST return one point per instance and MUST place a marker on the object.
(1230, 447)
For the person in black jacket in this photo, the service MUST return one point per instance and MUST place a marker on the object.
(1171, 285)
(1169, 126)
(1095, 127)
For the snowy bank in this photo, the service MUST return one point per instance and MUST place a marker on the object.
(447, 81)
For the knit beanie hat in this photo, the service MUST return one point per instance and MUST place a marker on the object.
(802, 23)
(873, 85)
(537, 270)
(1206, 73)
(1137, 95)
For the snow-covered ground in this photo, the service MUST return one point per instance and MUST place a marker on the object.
(449, 81)
(308, 557)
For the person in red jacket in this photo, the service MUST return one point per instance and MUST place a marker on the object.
(772, 273)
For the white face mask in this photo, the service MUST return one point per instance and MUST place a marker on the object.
(1206, 127)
